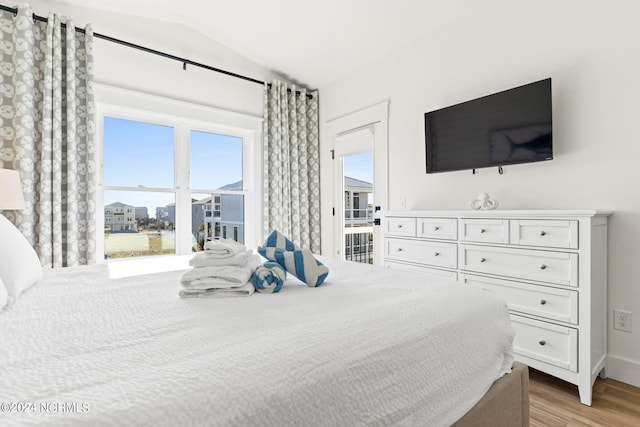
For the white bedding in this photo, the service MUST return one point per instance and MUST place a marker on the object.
(371, 346)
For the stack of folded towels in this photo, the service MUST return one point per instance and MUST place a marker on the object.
(224, 269)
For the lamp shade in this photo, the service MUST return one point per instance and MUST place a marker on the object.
(11, 197)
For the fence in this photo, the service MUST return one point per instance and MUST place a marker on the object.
(359, 247)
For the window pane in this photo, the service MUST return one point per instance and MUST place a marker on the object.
(360, 167)
(212, 220)
(216, 161)
(138, 224)
(137, 153)
(358, 208)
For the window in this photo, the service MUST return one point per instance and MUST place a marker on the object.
(138, 155)
(216, 207)
(216, 171)
(167, 174)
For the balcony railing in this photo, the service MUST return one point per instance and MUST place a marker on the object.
(359, 247)
(358, 216)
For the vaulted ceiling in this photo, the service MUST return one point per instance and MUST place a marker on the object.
(311, 42)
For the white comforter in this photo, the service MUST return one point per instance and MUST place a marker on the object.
(371, 346)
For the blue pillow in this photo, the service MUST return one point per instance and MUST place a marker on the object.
(299, 262)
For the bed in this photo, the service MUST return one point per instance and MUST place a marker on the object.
(371, 346)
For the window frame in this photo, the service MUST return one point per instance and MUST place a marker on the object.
(184, 117)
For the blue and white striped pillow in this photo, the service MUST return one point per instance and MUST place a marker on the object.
(279, 241)
(299, 262)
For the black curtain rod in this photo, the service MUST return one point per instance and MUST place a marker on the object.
(184, 61)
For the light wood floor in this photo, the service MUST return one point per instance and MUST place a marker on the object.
(554, 402)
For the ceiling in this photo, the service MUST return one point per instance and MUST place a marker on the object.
(313, 43)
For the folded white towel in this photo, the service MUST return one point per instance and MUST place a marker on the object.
(205, 260)
(223, 248)
(243, 291)
(222, 277)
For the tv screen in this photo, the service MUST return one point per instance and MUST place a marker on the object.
(509, 127)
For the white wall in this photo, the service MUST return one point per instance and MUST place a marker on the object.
(592, 54)
(136, 70)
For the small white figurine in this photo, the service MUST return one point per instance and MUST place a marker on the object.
(484, 202)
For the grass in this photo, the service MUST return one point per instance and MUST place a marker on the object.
(146, 243)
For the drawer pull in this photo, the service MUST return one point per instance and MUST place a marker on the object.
(483, 260)
(543, 266)
(399, 250)
(399, 225)
(436, 254)
(482, 230)
(543, 233)
(543, 302)
(436, 228)
(542, 342)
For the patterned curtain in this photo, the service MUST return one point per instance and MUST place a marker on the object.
(291, 164)
(47, 133)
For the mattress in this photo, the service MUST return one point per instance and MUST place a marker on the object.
(371, 346)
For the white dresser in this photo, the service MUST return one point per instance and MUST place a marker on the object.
(549, 265)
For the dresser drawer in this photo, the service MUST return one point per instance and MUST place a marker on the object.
(484, 230)
(396, 226)
(438, 254)
(438, 228)
(447, 274)
(548, 233)
(536, 300)
(543, 266)
(548, 343)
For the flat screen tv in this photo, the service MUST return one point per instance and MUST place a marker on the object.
(505, 128)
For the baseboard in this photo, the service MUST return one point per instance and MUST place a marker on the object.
(623, 370)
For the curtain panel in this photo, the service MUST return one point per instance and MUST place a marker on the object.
(291, 164)
(47, 133)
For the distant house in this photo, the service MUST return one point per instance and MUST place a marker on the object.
(141, 212)
(358, 220)
(223, 218)
(216, 216)
(167, 214)
(163, 214)
(202, 212)
(232, 213)
(119, 218)
(357, 211)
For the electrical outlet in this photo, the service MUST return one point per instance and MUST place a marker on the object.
(622, 320)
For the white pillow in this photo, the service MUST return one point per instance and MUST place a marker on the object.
(4, 297)
(19, 264)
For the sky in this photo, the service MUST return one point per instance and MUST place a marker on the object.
(359, 166)
(141, 155)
